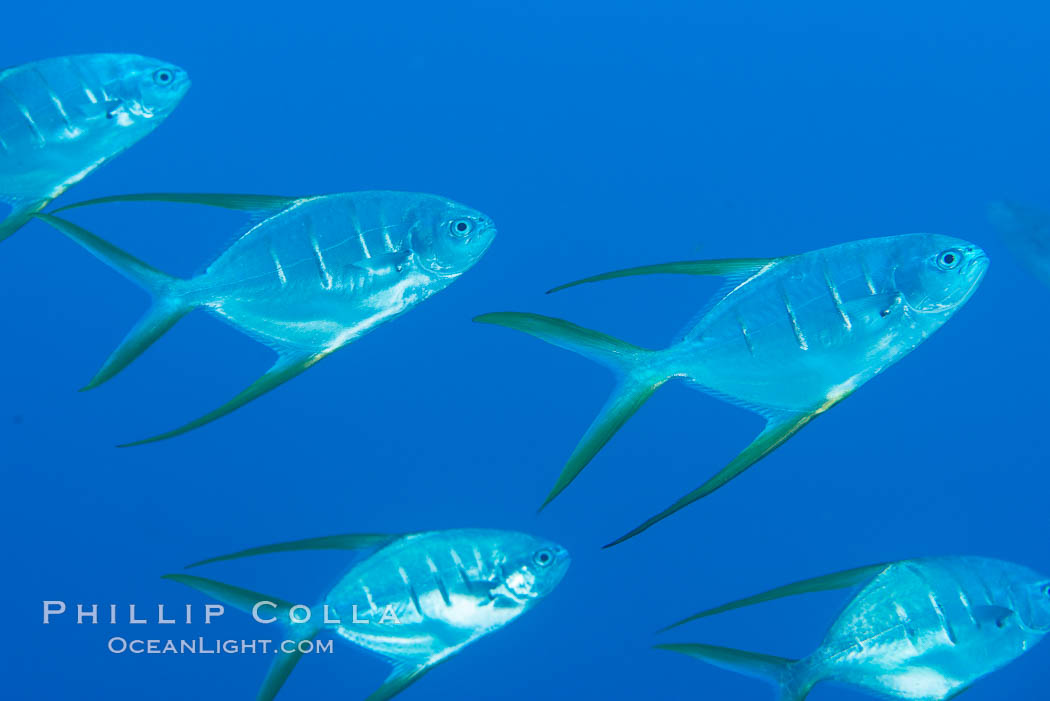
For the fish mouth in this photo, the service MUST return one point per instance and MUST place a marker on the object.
(978, 265)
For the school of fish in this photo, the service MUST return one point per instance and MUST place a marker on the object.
(788, 338)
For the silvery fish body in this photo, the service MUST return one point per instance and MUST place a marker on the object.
(807, 330)
(62, 118)
(1026, 231)
(417, 599)
(328, 269)
(789, 337)
(447, 589)
(310, 278)
(927, 629)
(921, 630)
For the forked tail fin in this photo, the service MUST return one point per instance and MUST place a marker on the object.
(638, 376)
(788, 675)
(168, 304)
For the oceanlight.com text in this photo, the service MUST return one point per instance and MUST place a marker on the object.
(212, 646)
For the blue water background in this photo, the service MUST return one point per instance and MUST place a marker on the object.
(598, 135)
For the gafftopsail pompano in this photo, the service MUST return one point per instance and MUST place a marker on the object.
(923, 630)
(417, 600)
(314, 275)
(788, 338)
(61, 118)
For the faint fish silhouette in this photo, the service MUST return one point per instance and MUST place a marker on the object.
(1027, 233)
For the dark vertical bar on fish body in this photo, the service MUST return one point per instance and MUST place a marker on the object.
(836, 297)
(793, 319)
(55, 98)
(866, 271)
(318, 255)
(49, 102)
(438, 581)
(412, 594)
(92, 91)
(14, 95)
(278, 268)
(460, 568)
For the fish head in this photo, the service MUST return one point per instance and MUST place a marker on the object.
(161, 86)
(138, 90)
(937, 274)
(531, 567)
(448, 238)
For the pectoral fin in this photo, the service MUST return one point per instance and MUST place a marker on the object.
(780, 428)
(350, 541)
(283, 370)
(385, 263)
(726, 267)
(404, 675)
(828, 582)
(872, 307)
(996, 616)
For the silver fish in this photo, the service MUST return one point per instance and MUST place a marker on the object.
(314, 276)
(418, 600)
(923, 630)
(789, 337)
(61, 118)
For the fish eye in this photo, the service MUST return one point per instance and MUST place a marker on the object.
(543, 558)
(163, 76)
(460, 227)
(949, 259)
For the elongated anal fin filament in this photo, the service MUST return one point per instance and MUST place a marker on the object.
(779, 429)
(285, 369)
